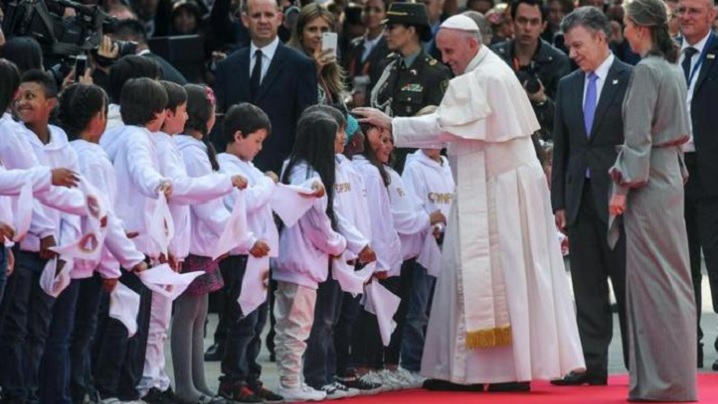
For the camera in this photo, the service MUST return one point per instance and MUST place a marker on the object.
(529, 78)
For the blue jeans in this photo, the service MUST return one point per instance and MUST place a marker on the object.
(55, 369)
(242, 342)
(27, 311)
(83, 335)
(417, 293)
(318, 369)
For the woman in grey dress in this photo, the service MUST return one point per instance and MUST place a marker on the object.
(648, 190)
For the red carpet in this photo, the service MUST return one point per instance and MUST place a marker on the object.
(541, 392)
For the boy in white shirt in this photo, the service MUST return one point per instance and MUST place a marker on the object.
(120, 359)
(244, 129)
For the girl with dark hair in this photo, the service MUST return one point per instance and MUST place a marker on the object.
(207, 223)
(648, 176)
(304, 251)
(244, 129)
(83, 113)
(313, 21)
(373, 166)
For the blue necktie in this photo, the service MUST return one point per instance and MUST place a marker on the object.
(589, 105)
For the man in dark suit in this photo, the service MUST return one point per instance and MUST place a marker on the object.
(698, 52)
(286, 86)
(282, 82)
(587, 128)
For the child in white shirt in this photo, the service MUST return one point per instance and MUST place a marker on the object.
(244, 129)
(304, 251)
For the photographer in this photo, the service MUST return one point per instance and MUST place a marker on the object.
(538, 65)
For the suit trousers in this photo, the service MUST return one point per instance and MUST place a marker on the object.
(692, 199)
(593, 263)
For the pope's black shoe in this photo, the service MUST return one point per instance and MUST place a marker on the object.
(578, 379)
(443, 385)
(509, 387)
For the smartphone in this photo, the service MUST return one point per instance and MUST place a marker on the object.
(329, 41)
(80, 67)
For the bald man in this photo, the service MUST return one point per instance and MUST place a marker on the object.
(502, 312)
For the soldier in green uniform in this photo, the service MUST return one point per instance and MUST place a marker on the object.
(412, 79)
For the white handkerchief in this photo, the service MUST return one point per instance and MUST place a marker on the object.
(254, 285)
(384, 304)
(160, 227)
(430, 256)
(288, 202)
(236, 229)
(124, 307)
(22, 208)
(54, 284)
(163, 280)
(351, 281)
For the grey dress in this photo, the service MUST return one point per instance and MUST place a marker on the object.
(660, 308)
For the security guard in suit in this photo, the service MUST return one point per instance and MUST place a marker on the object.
(412, 79)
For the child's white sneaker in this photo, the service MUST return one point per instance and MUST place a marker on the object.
(301, 393)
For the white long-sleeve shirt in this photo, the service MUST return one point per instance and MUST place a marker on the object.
(351, 207)
(410, 219)
(186, 191)
(257, 195)
(430, 181)
(138, 180)
(17, 153)
(384, 238)
(305, 248)
(118, 250)
(55, 154)
(208, 219)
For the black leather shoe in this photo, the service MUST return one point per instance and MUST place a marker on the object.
(509, 387)
(443, 385)
(578, 379)
(715, 365)
(214, 353)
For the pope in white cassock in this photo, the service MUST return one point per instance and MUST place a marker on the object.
(502, 310)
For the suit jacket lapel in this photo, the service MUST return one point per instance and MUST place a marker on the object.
(608, 94)
(708, 62)
(275, 68)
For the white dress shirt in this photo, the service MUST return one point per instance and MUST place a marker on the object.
(602, 74)
(267, 56)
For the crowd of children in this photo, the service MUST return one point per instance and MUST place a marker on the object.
(145, 149)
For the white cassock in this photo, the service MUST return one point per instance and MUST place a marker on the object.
(502, 309)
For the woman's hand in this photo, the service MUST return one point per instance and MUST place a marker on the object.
(617, 205)
(323, 58)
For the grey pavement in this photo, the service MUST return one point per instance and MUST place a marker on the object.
(709, 323)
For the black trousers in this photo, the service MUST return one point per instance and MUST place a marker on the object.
(593, 263)
(701, 214)
(120, 359)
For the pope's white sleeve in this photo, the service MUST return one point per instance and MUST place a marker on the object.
(420, 132)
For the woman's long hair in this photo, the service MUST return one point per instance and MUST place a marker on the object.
(314, 145)
(333, 75)
(652, 14)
